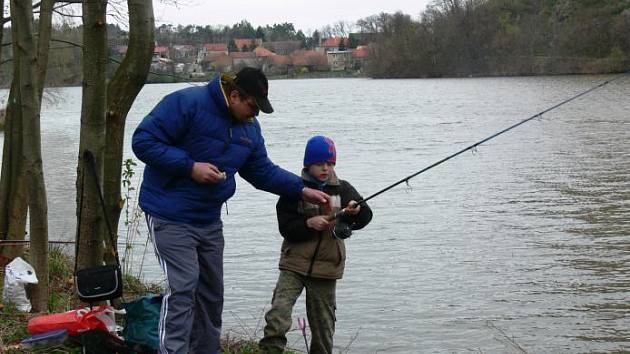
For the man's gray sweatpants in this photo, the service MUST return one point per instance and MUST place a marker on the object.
(192, 260)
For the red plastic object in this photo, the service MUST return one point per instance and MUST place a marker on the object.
(75, 321)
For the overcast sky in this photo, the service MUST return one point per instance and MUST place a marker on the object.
(305, 15)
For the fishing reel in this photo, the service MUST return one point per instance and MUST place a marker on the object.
(342, 231)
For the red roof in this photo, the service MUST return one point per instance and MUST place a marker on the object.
(308, 58)
(215, 47)
(242, 55)
(241, 42)
(280, 59)
(263, 52)
(332, 42)
(160, 49)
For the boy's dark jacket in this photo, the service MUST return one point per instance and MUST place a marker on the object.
(317, 253)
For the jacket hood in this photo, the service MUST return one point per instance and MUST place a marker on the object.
(218, 96)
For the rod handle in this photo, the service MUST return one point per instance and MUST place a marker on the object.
(335, 215)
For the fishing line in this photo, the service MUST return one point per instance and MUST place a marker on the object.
(475, 145)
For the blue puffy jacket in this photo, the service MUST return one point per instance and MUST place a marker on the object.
(194, 125)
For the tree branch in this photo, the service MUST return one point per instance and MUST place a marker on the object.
(63, 47)
(64, 5)
(67, 42)
(66, 15)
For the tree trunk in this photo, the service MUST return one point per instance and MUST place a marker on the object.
(38, 205)
(121, 93)
(25, 56)
(43, 42)
(10, 188)
(92, 136)
(1, 21)
(13, 197)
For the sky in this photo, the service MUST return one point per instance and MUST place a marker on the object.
(305, 15)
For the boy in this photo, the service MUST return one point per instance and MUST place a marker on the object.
(313, 252)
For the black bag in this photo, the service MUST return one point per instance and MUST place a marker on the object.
(102, 282)
(99, 283)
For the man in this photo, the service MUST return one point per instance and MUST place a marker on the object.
(193, 143)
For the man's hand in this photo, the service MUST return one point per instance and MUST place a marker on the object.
(314, 196)
(353, 208)
(203, 172)
(318, 223)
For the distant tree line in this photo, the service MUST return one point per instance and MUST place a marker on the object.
(65, 56)
(198, 35)
(502, 37)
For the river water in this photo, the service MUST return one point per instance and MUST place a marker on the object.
(521, 246)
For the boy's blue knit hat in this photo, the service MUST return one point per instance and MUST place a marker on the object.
(319, 149)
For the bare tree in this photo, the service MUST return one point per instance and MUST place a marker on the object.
(92, 135)
(371, 24)
(13, 194)
(28, 100)
(326, 31)
(342, 29)
(121, 92)
(46, 8)
(38, 205)
(104, 112)
(13, 201)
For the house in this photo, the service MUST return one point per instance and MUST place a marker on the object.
(309, 59)
(263, 52)
(179, 68)
(221, 63)
(330, 44)
(272, 63)
(339, 59)
(247, 44)
(212, 50)
(161, 52)
(277, 64)
(160, 61)
(162, 65)
(183, 52)
(283, 47)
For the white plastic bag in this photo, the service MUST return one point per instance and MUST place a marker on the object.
(17, 273)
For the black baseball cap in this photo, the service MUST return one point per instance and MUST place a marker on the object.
(253, 82)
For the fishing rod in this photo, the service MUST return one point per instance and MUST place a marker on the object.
(406, 179)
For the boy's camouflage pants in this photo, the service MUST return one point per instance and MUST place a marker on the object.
(320, 309)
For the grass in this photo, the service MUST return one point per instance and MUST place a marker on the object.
(12, 326)
(231, 345)
(60, 267)
(13, 323)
